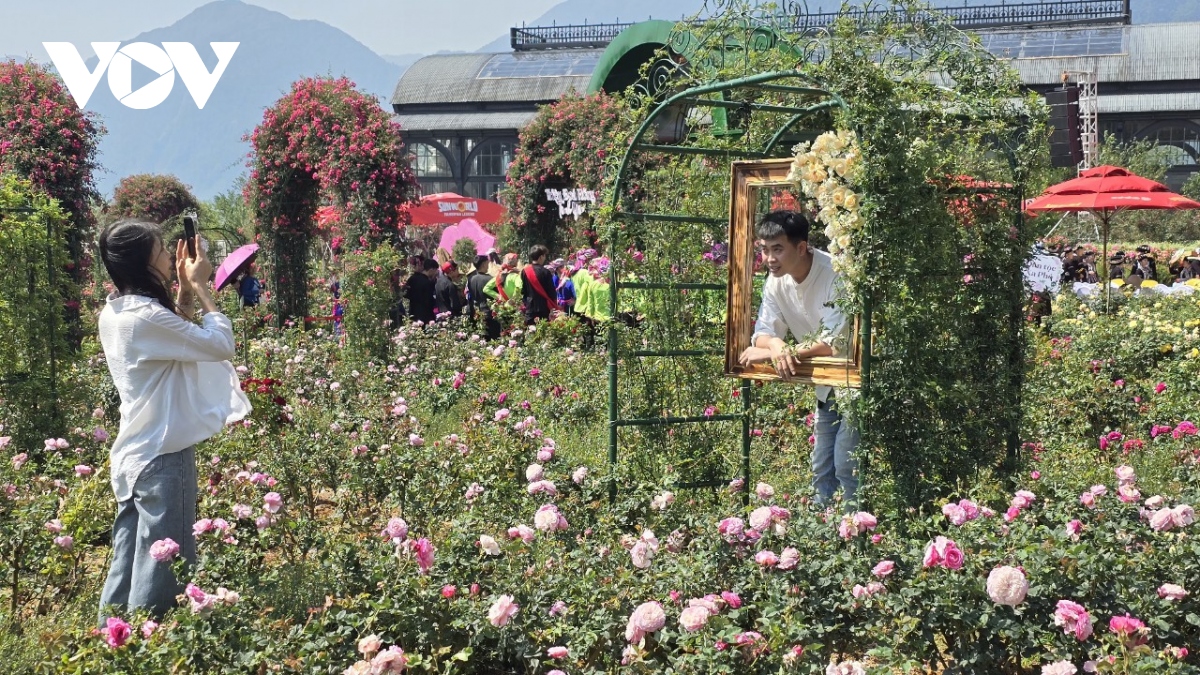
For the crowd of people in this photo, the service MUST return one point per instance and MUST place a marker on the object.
(537, 289)
(1080, 265)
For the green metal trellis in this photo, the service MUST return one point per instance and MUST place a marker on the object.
(725, 91)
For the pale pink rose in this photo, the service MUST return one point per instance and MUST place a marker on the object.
(557, 652)
(272, 502)
(1073, 619)
(1099, 490)
(473, 491)
(1007, 585)
(579, 475)
(548, 519)
(874, 587)
(859, 591)
(641, 555)
(884, 568)
(933, 556)
(766, 559)
(148, 628)
(1059, 668)
(1088, 499)
(1125, 474)
(82, 470)
(19, 459)
(164, 550)
(865, 521)
(502, 611)
(263, 522)
(540, 486)
(65, 542)
(369, 645)
(242, 511)
(956, 514)
(534, 473)
(1128, 494)
(227, 596)
(396, 530)
(1154, 502)
(764, 491)
(788, 558)
(1172, 592)
(1023, 499)
(489, 545)
(559, 607)
(1161, 520)
(424, 551)
(693, 619)
(524, 532)
(1183, 515)
(201, 602)
(662, 501)
(390, 660)
(760, 518)
(649, 617)
(970, 507)
(54, 526)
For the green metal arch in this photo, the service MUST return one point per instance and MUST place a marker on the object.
(769, 81)
(644, 35)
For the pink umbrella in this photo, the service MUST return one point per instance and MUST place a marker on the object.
(469, 229)
(234, 263)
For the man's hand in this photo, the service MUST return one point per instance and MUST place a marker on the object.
(781, 359)
(752, 355)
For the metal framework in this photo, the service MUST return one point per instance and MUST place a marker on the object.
(1046, 13)
(727, 92)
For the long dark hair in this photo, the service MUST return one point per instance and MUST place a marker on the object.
(126, 248)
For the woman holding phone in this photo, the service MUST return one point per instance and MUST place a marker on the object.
(177, 388)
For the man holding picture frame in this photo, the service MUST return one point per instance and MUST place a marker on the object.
(800, 296)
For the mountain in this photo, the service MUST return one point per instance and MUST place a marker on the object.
(613, 11)
(204, 148)
(402, 60)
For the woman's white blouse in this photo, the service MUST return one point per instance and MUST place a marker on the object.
(176, 383)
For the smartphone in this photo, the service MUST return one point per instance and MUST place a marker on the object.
(189, 234)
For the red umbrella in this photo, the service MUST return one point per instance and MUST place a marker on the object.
(234, 263)
(1103, 191)
(448, 208)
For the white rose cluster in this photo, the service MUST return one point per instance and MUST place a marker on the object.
(827, 171)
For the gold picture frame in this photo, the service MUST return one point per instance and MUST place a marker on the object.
(753, 184)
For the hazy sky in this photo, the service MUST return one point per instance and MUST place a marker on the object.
(386, 26)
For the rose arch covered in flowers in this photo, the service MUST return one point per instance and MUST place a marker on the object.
(326, 161)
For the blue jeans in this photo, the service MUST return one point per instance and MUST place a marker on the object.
(833, 461)
(163, 506)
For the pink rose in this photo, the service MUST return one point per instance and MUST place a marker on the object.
(766, 559)
(449, 591)
(764, 491)
(954, 557)
(1183, 515)
(1012, 514)
(1074, 527)
(1128, 494)
(424, 551)
(272, 502)
(641, 555)
(789, 558)
(396, 530)
(116, 632)
(370, 644)
(1160, 387)
(1125, 626)
(54, 526)
(1023, 499)
(148, 628)
(956, 514)
(164, 550)
(533, 473)
(884, 568)
(1125, 473)
(65, 542)
(502, 611)
(579, 475)
(970, 508)
(1059, 668)
(732, 599)
(557, 652)
(731, 528)
(82, 470)
(1162, 520)
(1088, 499)
(1073, 619)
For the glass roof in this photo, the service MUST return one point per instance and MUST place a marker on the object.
(566, 63)
(1033, 44)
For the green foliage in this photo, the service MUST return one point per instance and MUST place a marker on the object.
(35, 294)
(157, 198)
(369, 294)
(464, 252)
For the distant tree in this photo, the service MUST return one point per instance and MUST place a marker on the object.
(153, 197)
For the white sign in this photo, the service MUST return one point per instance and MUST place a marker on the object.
(1044, 272)
(118, 60)
(571, 202)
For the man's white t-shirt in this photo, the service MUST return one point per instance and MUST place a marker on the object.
(806, 308)
(176, 384)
